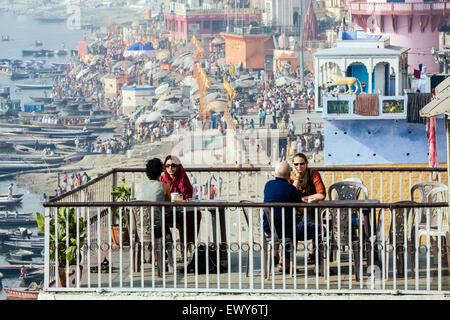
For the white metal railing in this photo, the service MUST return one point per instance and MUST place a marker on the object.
(347, 239)
(92, 203)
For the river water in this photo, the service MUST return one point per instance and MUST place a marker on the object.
(23, 32)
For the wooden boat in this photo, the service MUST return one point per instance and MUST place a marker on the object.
(21, 293)
(21, 262)
(36, 247)
(16, 237)
(33, 276)
(19, 75)
(22, 254)
(61, 52)
(18, 195)
(18, 222)
(42, 99)
(23, 149)
(14, 270)
(28, 52)
(10, 202)
(34, 86)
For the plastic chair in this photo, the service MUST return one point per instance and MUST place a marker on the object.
(257, 226)
(256, 234)
(147, 239)
(437, 216)
(396, 235)
(340, 232)
(347, 190)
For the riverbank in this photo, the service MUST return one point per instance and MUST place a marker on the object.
(135, 158)
(99, 17)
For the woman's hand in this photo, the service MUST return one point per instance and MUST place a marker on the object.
(309, 199)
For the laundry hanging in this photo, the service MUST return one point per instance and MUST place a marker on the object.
(366, 104)
(417, 101)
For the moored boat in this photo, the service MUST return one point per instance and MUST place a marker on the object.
(21, 293)
(16, 261)
(28, 52)
(19, 75)
(34, 85)
(32, 246)
(9, 202)
(22, 254)
(19, 195)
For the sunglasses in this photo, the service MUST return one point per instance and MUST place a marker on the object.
(299, 164)
(173, 165)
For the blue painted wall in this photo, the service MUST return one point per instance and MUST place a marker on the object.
(359, 142)
(359, 72)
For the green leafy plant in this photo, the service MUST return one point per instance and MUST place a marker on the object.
(121, 193)
(65, 253)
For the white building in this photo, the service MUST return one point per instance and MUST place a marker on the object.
(135, 96)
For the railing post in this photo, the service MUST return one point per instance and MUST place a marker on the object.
(47, 249)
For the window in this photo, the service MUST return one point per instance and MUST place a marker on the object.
(206, 24)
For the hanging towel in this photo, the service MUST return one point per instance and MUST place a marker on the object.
(417, 73)
(417, 101)
(366, 104)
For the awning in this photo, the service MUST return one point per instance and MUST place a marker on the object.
(441, 103)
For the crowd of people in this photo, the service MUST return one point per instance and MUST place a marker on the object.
(69, 182)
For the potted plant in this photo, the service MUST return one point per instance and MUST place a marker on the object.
(66, 252)
(121, 193)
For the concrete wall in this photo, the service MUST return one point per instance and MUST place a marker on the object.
(360, 142)
(416, 40)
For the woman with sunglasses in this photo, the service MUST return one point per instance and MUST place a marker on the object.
(307, 181)
(312, 189)
(178, 181)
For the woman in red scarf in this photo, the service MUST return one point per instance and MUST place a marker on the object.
(175, 176)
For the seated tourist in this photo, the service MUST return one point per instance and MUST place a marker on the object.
(178, 181)
(280, 190)
(153, 190)
(307, 181)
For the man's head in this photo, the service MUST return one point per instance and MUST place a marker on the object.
(283, 170)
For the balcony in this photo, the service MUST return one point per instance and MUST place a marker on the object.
(383, 8)
(361, 263)
(337, 107)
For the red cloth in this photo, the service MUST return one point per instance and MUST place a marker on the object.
(416, 73)
(180, 182)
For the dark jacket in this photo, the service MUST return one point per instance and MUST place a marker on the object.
(280, 190)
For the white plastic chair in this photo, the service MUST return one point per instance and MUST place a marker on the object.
(436, 216)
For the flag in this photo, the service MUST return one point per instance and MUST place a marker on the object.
(416, 74)
(432, 151)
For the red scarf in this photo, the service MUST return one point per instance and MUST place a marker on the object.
(180, 182)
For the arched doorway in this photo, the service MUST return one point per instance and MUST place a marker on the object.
(383, 81)
(359, 71)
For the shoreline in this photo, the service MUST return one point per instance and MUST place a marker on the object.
(98, 17)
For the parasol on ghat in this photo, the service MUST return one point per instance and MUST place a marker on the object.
(216, 106)
(149, 117)
(162, 89)
(170, 108)
(187, 81)
(161, 74)
(162, 54)
(211, 96)
(148, 65)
